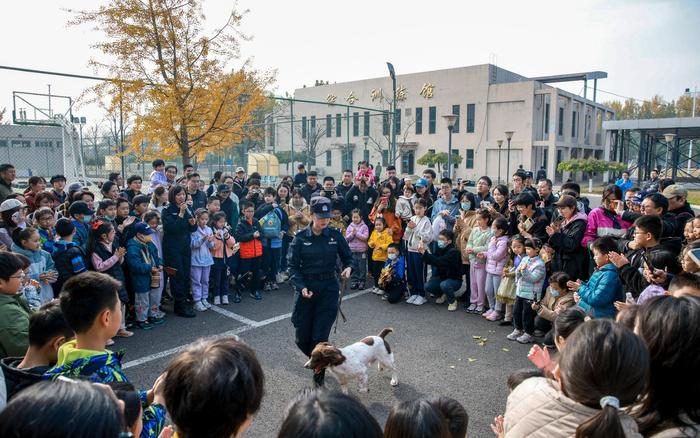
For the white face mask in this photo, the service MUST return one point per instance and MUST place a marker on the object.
(391, 256)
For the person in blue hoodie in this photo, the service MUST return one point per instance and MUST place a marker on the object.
(144, 268)
(598, 295)
(446, 205)
(68, 257)
(393, 277)
(272, 230)
(81, 215)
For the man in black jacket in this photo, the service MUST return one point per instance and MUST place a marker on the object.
(545, 198)
(199, 198)
(678, 206)
(448, 280)
(312, 186)
(346, 184)
(531, 221)
(361, 197)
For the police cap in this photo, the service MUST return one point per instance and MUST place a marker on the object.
(321, 207)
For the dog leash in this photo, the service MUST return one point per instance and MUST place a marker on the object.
(343, 289)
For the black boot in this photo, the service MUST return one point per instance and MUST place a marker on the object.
(319, 378)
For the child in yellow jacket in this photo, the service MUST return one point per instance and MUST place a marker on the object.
(379, 241)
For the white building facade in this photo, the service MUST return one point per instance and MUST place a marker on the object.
(351, 122)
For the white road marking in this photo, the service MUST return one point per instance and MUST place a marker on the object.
(249, 325)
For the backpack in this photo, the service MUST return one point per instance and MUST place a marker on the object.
(271, 225)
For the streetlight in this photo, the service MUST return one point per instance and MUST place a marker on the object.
(450, 119)
(500, 144)
(509, 135)
(690, 149)
(392, 73)
(365, 139)
(669, 138)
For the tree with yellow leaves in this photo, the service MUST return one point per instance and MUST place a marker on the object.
(172, 78)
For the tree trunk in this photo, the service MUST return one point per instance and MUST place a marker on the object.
(184, 144)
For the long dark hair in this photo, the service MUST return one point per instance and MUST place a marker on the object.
(391, 203)
(416, 419)
(669, 327)
(603, 359)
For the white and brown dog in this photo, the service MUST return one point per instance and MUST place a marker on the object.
(354, 360)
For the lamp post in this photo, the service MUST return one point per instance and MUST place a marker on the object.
(509, 135)
(669, 138)
(392, 149)
(450, 119)
(500, 145)
(365, 139)
(690, 149)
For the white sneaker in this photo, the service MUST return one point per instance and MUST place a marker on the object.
(441, 299)
(525, 339)
(224, 299)
(199, 307)
(419, 301)
(206, 303)
(411, 299)
(377, 291)
(515, 335)
(452, 307)
(217, 300)
(281, 277)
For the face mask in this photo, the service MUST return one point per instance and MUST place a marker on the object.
(441, 244)
(87, 218)
(466, 206)
(554, 293)
(392, 256)
(110, 218)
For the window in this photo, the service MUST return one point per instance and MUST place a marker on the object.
(338, 125)
(20, 143)
(419, 121)
(455, 154)
(303, 127)
(574, 124)
(397, 121)
(546, 118)
(470, 158)
(347, 158)
(431, 119)
(3, 143)
(365, 130)
(329, 158)
(385, 124)
(455, 111)
(365, 157)
(385, 158)
(313, 125)
(471, 114)
(407, 161)
(560, 127)
(329, 125)
(432, 151)
(355, 124)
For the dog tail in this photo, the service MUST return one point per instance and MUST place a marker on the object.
(385, 332)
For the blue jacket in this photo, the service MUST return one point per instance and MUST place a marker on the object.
(399, 269)
(69, 260)
(624, 186)
(139, 270)
(600, 292)
(81, 234)
(452, 206)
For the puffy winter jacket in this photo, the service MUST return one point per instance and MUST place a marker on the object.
(69, 260)
(529, 277)
(404, 207)
(569, 255)
(478, 242)
(463, 228)
(600, 292)
(601, 223)
(421, 232)
(250, 247)
(297, 223)
(141, 258)
(379, 242)
(538, 409)
(497, 255)
(392, 221)
(41, 262)
(549, 303)
(358, 240)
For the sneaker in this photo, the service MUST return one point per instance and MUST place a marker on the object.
(487, 313)
(267, 287)
(471, 308)
(479, 310)
(281, 277)
(452, 306)
(419, 301)
(123, 333)
(495, 316)
(377, 291)
(515, 335)
(538, 333)
(206, 303)
(525, 338)
(411, 299)
(224, 300)
(441, 299)
(237, 298)
(143, 325)
(217, 300)
(158, 314)
(256, 295)
(156, 321)
(199, 307)
(274, 286)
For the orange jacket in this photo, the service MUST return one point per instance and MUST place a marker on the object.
(392, 221)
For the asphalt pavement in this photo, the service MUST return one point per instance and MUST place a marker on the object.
(436, 354)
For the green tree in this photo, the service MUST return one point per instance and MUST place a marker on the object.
(438, 159)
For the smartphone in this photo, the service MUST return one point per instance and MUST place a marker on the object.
(383, 199)
(557, 220)
(528, 224)
(695, 255)
(485, 204)
(647, 262)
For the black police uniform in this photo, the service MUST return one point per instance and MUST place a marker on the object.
(312, 264)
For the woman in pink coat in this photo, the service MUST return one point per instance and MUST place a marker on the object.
(606, 220)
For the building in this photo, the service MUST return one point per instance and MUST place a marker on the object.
(344, 123)
(33, 150)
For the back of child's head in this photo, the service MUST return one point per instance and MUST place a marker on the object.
(455, 414)
(322, 413)
(416, 419)
(61, 409)
(85, 296)
(127, 393)
(650, 224)
(64, 227)
(10, 263)
(47, 324)
(519, 376)
(484, 214)
(604, 366)
(669, 327)
(567, 321)
(533, 243)
(604, 245)
(213, 387)
(627, 316)
(560, 279)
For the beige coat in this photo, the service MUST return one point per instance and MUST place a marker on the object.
(462, 229)
(537, 409)
(297, 223)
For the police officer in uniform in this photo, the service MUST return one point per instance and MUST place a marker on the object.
(312, 264)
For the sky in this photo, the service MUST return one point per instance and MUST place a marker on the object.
(647, 47)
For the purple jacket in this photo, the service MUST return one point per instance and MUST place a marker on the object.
(497, 255)
(358, 242)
